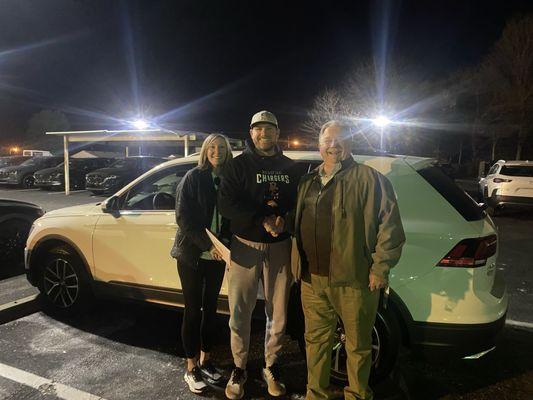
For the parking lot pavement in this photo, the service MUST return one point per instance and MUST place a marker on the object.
(124, 352)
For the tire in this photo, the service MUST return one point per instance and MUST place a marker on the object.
(385, 347)
(64, 283)
(28, 181)
(13, 235)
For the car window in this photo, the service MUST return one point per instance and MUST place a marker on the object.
(149, 163)
(457, 197)
(162, 184)
(517, 170)
(31, 161)
(124, 163)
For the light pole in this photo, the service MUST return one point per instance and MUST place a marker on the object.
(381, 122)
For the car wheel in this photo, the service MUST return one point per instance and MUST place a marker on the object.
(28, 181)
(13, 235)
(64, 283)
(385, 347)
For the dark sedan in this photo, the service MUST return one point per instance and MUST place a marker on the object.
(16, 218)
(8, 161)
(54, 177)
(22, 175)
(123, 171)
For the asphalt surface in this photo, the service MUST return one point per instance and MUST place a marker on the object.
(124, 351)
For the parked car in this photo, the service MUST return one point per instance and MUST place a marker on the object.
(16, 218)
(508, 184)
(8, 161)
(22, 174)
(78, 167)
(123, 171)
(446, 293)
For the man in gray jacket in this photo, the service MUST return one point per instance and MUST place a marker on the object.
(349, 234)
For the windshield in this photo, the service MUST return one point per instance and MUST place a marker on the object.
(518, 170)
(124, 163)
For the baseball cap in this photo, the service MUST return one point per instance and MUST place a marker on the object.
(264, 116)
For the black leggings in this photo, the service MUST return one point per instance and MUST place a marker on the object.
(200, 287)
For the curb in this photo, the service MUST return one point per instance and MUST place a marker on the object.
(19, 308)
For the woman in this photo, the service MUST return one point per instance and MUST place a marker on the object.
(200, 265)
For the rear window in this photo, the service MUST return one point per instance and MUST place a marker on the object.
(462, 202)
(517, 170)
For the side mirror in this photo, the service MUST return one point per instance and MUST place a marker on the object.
(111, 206)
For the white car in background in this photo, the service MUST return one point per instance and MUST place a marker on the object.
(446, 294)
(508, 184)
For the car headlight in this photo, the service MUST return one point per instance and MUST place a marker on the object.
(13, 173)
(110, 178)
(56, 176)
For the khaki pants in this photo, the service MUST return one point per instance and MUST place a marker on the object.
(357, 309)
(252, 262)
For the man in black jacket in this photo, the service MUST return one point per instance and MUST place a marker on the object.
(258, 190)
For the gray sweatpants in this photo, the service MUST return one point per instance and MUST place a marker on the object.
(250, 263)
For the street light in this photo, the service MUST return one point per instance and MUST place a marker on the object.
(13, 150)
(381, 121)
(140, 124)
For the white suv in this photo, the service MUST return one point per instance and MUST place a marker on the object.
(508, 184)
(446, 293)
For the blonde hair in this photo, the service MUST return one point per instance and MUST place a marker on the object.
(203, 162)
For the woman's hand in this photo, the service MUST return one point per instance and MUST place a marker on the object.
(215, 253)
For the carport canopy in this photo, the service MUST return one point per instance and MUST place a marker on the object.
(145, 135)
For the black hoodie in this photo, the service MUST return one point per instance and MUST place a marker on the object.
(251, 182)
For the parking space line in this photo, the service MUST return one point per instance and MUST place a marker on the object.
(27, 190)
(520, 324)
(45, 386)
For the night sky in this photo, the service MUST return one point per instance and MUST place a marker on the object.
(209, 65)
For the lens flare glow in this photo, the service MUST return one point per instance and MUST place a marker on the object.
(140, 124)
(381, 121)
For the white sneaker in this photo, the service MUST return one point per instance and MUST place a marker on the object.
(194, 380)
(210, 372)
(235, 386)
(271, 376)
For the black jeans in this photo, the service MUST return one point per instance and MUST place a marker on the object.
(200, 287)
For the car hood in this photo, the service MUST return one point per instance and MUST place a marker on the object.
(11, 203)
(81, 210)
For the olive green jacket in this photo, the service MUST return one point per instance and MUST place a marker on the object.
(367, 232)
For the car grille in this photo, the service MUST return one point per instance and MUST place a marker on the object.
(94, 180)
(3, 175)
(39, 178)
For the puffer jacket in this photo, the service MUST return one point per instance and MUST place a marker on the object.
(367, 232)
(195, 203)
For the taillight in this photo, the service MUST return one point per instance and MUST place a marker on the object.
(470, 253)
(500, 180)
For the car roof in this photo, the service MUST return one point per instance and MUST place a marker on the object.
(515, 162)
(414, 162)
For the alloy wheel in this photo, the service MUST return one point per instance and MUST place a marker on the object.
(61, 283)
(339, 358)
(28, 181)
